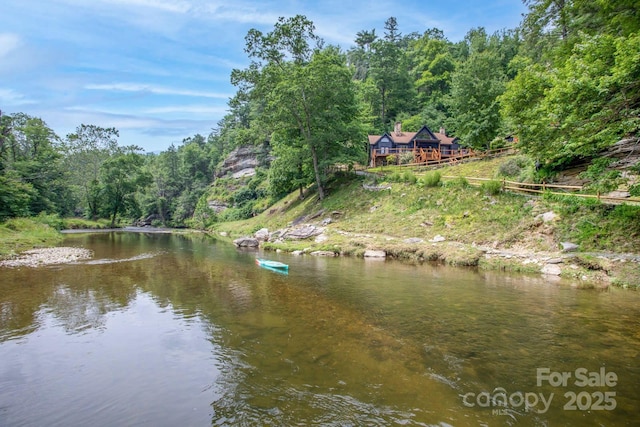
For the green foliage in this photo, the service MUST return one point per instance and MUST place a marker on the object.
(122, 176)
(475, 87)
(287, 63)
(492, 188)
(409, 177)
(392, 159)
(517, 167)
(459, 182)
(52, 220)
(601, 178)
(203, 216)
(395, 177)
(580, 105)
(15, 196)
(406, 158)
(431, 179)
(19, 234)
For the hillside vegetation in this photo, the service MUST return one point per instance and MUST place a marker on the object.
(405, 219)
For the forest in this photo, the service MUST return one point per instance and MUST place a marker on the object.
(565, 83)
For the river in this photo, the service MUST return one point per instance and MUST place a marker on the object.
(168, 330)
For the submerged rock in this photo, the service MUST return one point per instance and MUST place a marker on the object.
(375, 254)
(323, 253)
(246, 242)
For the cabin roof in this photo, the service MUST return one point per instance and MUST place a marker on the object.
(406, 137)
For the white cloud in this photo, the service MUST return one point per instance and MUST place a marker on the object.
(157, 90)
(166, 6)
(192, 109)
(11, 97)
(8, 43)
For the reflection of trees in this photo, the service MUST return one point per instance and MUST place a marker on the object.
(78, 295)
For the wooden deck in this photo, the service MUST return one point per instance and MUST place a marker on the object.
(420, 155)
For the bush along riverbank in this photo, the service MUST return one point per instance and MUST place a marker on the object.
(423, 219)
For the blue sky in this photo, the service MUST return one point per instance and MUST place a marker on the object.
(158, 70)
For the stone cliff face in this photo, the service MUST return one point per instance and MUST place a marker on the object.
(242, 161)
(240, 165)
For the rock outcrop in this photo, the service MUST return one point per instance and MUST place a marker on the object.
(242, 161)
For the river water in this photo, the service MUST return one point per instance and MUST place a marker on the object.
(168, 330)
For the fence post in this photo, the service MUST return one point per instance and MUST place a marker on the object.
(504, 184)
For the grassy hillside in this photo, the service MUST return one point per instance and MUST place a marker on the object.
(403, 218)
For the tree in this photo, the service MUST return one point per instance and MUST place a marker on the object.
(431, 66)
(32, 161)
(581, 107)
(121, 177)
(307, 91)
(475, 87)
(85, 152)
(364, 39)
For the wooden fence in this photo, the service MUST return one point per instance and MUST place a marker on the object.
(531, 188)
(461, 157)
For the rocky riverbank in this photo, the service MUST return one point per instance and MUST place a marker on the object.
(587, 269)
(47, 256)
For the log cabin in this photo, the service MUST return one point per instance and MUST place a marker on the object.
(425, 145)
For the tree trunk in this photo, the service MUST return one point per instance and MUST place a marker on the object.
(316, 170)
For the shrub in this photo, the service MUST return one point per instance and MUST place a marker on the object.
(460, 182)
(515, 166)
(602, 178)
(406, 158)
(52, 220)
(392, 159)
(409, 177)
(492, 187)
(395, 177)
(431, 179)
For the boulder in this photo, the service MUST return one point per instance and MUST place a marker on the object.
(568, 246)
(551, 269)
(246, 242)
(321, 238)
(374, 254)
(303, 232)
(262, 235)
(547, 216)
(438, 238)
(413, 240)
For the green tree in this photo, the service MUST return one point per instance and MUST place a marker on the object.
(475, 87)
(583, 106)
(307, 91)
(31, 159)
(289, 170)
(85, 151)
(389, 71)
(122, 176)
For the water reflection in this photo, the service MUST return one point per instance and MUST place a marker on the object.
(197, 334)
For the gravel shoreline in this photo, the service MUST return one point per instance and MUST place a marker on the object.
(47, 256)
